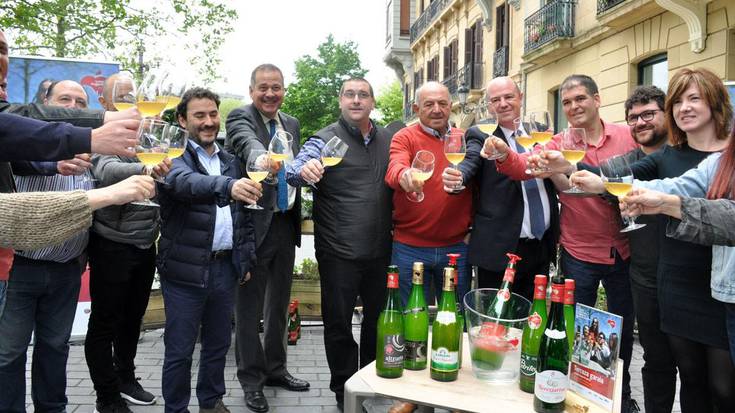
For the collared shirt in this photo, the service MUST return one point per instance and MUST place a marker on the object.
(74, 246)
(526, 225)
(223, 223)
(279, 127)
(434, 132)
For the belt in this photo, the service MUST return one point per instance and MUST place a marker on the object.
(217, 255)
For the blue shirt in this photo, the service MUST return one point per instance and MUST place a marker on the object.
(223, 223)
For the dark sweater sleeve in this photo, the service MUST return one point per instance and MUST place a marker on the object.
(646, 169)
(33, 140)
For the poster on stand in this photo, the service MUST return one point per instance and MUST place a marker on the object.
(595, 354)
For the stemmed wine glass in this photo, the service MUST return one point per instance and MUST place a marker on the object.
(172, 88)
(455, 149)
(487, 123)
(152, 147)
(422, 168)
(279, 149)
(177, 140)
(541, 131)
(257, 169)
(618, 180)
(332, 153)
(124, 92)
(150, 99)
(573, 149)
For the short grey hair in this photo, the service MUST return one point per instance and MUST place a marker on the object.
(433, 83)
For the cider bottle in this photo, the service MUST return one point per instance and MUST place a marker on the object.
(416, 322)
(390, 346)
(445, 334)
(552, 373)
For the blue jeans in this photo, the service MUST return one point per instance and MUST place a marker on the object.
(434, 259)
(187, 309)
(615, 279)
(730, 314)
(3, 292)
(41, 297)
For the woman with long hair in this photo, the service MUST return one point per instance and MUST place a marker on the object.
(699, 115)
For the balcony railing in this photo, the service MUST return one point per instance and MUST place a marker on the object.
(552, 21)
(500, 62)
(605, 5)
(427, 17)
(469, 75)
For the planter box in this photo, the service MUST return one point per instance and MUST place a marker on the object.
(308, 292)
(307, 227)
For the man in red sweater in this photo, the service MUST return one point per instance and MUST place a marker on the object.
(427, 231)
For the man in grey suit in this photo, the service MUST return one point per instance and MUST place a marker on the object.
(277, 232)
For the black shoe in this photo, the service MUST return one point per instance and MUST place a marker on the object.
(288, 382)
(629, 406)
(114, 406)
(255, 400)
(136, 394)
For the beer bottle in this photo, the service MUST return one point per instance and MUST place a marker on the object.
(499, 307)
(458, 298)
(445, 334)
(416, 322)
(294, 323)
(569, 312)
(532, 332)
(552, 380)
(390, 347)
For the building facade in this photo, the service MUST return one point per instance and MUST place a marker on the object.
(619, 43)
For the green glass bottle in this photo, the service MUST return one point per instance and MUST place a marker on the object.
(460, 313)
(552, 373)
(532, 332)
(445, 334)
(569, 313)
(416, 322)
(390, 346)
(499, 306)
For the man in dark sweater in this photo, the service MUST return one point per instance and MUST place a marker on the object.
(352, 220)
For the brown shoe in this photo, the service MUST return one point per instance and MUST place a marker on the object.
(219, 407)
(402, 407)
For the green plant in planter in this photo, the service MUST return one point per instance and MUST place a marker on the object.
(308, 270)
(307, 203)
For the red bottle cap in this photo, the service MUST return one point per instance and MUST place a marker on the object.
(569, 292)
(539, 279)
(539, 288)
(557, 293)
(453, 258)
(392, 280)
(513, 258)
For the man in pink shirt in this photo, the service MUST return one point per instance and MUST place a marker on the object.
(594, 249)
(426, 231)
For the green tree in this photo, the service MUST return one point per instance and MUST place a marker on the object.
(225, 107)
(85, 28)
(314, 97)
(390, 103)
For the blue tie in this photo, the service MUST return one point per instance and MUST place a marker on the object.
(535, 207)
(282, 199)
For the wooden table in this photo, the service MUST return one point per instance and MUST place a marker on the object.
(467, 393)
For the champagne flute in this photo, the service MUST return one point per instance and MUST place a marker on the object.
(152, 147)
(124, 92)
(150, 100)
(177, 140)
(573, 149)
(257, 169)
(279, 149)
(455, 149)
(618, 180)
(422, 168)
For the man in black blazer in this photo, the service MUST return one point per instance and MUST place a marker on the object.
(277, 232)
(508, 213)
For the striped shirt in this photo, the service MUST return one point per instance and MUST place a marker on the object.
(72, 247)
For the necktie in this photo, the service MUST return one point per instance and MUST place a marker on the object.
(282, 198)
(535, 207)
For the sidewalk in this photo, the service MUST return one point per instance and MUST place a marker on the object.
(306, 360)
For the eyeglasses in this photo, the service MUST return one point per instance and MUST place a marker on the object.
(350, 94)
(646, 116)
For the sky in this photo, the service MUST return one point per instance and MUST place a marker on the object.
(281, 31)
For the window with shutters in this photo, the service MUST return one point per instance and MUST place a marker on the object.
(432, 69)
(451, 59)
(405, 23)
(473, 55)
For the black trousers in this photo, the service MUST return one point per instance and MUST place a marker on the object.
(659, 365)
(536, 258)
(267, 292)
(342, 281)
(120, 285)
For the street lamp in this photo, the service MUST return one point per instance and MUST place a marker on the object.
(462, 93)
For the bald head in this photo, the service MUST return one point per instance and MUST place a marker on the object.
(433, 106)
(504, 97)
(4, 50)
(106, 99)
(67, 93)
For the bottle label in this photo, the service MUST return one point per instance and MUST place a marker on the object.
(557, 293)
(416, 351)
(551, 386)
(415, 310)
(393, 350)
(568, 297)
(555, 334)
(392, 280)
(444, 360)
(509, 275)
(534, 321)
(539, 292)
(528, 365)
(446, 317)
(503, 295)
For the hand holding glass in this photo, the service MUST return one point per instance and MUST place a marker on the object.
(257, 169)
(618, 180)
(422, 168)
(152, 147)
(455, 149)
(573, 148)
